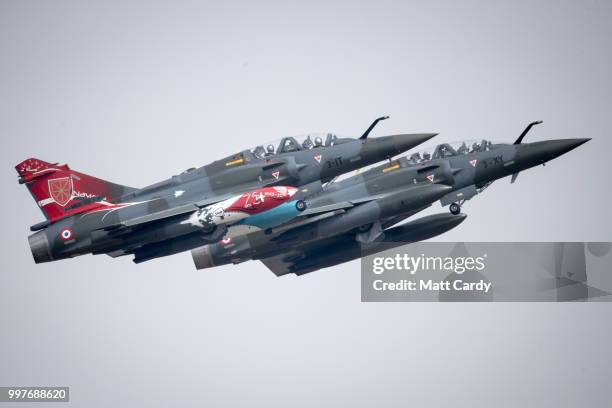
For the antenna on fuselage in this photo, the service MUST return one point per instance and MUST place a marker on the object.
(527, 129)
(367, 132)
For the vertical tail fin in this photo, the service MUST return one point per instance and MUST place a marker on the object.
(61, 192)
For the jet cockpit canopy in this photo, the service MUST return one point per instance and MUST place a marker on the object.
(297, 143)
(446, 150)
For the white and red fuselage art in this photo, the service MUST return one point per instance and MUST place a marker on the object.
(241, 206)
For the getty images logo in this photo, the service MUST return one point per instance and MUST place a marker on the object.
(412, 264)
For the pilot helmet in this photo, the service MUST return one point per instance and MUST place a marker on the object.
(270, 148)
(318, 141)
(307, 143)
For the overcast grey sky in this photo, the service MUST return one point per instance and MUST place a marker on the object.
(134, 92)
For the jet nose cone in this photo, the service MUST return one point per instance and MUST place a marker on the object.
(533, 154)
(385, 147)
(556, 148)
(559, 147)
(398, 144)
(404, 143)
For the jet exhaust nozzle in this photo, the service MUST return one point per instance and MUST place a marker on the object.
(202, 257)
(39, 245)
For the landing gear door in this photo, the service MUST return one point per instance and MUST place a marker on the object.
(459, 196)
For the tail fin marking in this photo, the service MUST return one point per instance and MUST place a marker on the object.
(61, 192)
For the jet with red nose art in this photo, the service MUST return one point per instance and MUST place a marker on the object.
(358, 216)
(202, 205)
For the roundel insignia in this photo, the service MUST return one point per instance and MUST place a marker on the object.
(430, 178)
(226, 240)
(276, 174)
(66, 234)
(473, 162)
(318, 158)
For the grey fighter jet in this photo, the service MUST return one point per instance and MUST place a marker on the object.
(356, 217)
(474, 165)
(201, 205)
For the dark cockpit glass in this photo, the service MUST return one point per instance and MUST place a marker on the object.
(446, 150)
(443, 151)
(297, 143)
(287, 145)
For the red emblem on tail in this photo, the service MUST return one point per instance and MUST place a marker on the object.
(60, 190)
